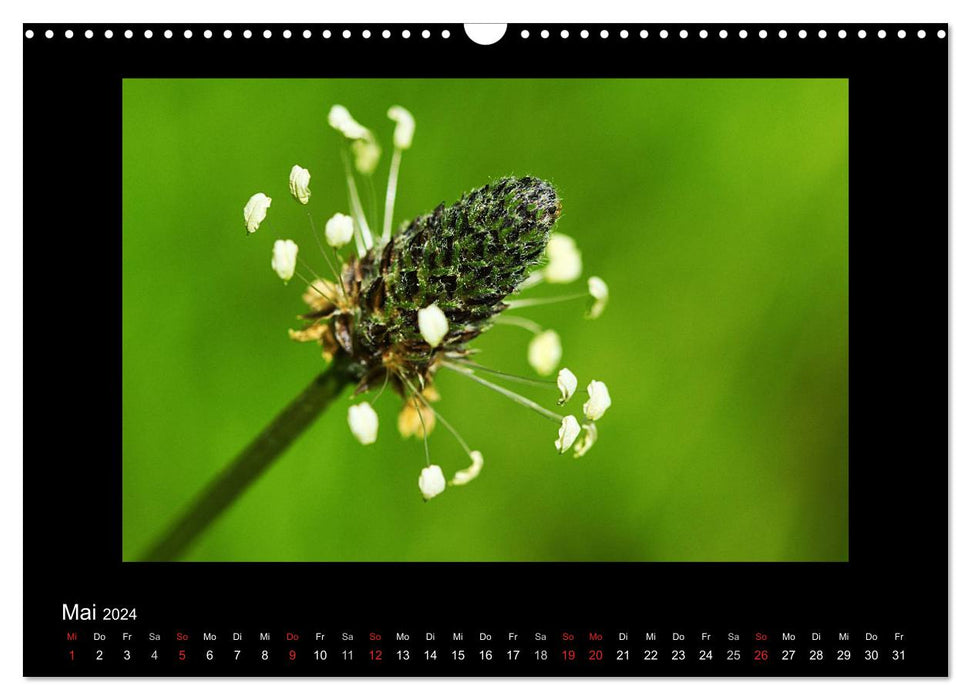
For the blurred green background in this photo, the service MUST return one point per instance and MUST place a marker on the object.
(715, 209)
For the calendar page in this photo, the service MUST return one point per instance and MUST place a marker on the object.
(514, 350)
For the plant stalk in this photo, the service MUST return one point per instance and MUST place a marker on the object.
(253, 461)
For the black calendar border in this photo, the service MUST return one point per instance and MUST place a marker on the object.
(897, 573)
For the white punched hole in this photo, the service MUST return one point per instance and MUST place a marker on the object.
(861, 33)
(683, 34)
(643, 34)
(109, 33)
(187, 33)
(723, 34)
(921, 34)
(168, 34)
(584, 34)
(346, 34)
(624, 34)
(267, 33)
(486, 34)
(88, 34)
(228, 34)
(604, 33)
(842, 34)
(783, 33)
(287, 34)
(941, 34)
(326, 34)
(247, 33)
(524, 34)
(545, 34)
(564, 34)
(663, 34)
(148, 33)
(129, 34)
(446, 34)
(901, 34)
(207, 34)
(763, 34)
(742, 34)
(386, 34)
(882, 34)
(703, 33)
(803, 34)
(425, 34)
(822, 34)
(69, 34)
(49, 34)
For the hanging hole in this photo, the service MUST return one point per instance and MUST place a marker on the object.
(485, 34)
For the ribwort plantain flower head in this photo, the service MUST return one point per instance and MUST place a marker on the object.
(409, 302)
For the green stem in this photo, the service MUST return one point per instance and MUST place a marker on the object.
(252, 462)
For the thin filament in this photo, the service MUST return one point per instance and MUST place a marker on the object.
(519, 321)
(506, 375)
(366, 242)
(521, 400)
(444, 422)
(523, 303)
(389, 197)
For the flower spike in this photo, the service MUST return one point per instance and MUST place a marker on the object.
(409, 302)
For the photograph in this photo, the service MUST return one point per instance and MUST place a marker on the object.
(485, 320)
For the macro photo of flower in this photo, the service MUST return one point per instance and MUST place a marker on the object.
(486, 320)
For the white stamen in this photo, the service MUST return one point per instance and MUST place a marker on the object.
(367, 153)
(404, 130)
(566, 382)
(433, 324)
(431, 482)
(363, 421)
(569, 430)
(565, 264)
(600, 293)
(255, 211)
(466, 475)
(339, 230)
(586, 442)
(340, 119)
(599, 400)
(284, 261)
(545, 352)
(300, 184)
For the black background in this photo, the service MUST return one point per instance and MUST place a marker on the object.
(896, 579)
